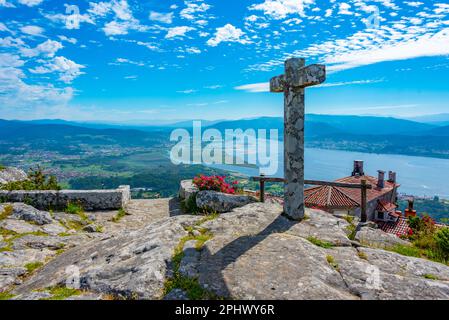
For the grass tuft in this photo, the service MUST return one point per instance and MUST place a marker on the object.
(430, 277)
(331, 260)
(62, 293)
(320, 243)
(32, 266)
(120, 214)
(6, 295)
(7, 211)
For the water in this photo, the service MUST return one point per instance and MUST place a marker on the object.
(419, 176)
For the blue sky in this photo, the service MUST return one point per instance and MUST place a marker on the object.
(141, 61)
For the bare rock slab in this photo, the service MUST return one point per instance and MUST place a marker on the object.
(128, 264)
(378, 239)
(221, 202)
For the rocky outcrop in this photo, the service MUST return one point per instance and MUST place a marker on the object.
(130, 264)
(376, 238)
(21, 211)
(187, 189)
(221, 202)
(10, 174)
(252, 252)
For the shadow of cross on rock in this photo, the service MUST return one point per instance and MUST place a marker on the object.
(258, 253)
(212, 264)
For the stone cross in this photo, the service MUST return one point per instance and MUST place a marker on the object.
(293, 83)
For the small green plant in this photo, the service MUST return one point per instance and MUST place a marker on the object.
(6, 295)
(74, 208)
(331, 260)
(189, 205)
(442, 241)
(362, 255)
(32, 266)
(430, 277)
(120, 214)
(409, 251)
(62, 293)
(320, 243)
(7, 211)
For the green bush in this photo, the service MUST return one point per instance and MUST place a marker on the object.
(442, 241)
(37, 180)
(74, 208)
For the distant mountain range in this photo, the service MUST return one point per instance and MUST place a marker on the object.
(352, 133)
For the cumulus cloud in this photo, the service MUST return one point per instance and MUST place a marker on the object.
(228, 33)
(178, 32)
(161, 17)
(31, 3)
(67, 69)
(32, 30)
(16, 93)
(279, 9)
(193, 9)
(47, 48)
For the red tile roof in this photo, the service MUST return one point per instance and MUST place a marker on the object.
(371, 194)
(399, 228)
(342, 198)
(328, 197)
(385, 206)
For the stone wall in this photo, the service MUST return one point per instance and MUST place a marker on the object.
(90, 200)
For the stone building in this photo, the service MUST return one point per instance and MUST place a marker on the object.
(381, 199)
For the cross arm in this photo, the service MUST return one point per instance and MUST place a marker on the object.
(308, 76)
(277, 84)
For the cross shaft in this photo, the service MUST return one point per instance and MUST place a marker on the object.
(297, 77)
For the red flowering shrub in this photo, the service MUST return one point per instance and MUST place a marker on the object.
(215, 183)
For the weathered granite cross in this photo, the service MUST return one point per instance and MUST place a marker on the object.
(293, 83)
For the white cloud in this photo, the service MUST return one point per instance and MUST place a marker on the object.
(32, 30)
(5, 3)
(265, 86)
(279, 9)
(99, 8)
(344, 9)
(178, 32)
(193, 9)
(115, 28)
(16, 93)
(47, 48)
(31, 3)
(3, 27)
(67, 69)
(69, 40)
(255, 87)
(193, 50)
(72, 21)
(161, 17)
(189, 91)
(228, 33)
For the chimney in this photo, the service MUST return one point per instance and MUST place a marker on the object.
(381, 179)
(410, 212)
(358, 168)
(392, 176)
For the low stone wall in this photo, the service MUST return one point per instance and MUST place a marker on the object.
(90, 200)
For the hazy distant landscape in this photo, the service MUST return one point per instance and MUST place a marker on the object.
(99, 155)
